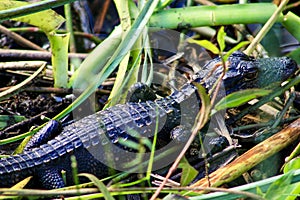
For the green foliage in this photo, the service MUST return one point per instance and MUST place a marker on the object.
(99, 185)
(206, 106)
(293, 161)
(292, 22)
(95, 61)
(295, 54)
(221, 41)
(206, 44)
(126, 44)
(292, 165)
(74, 170)
(6, 120)
(235, 48)
(188, 172)
(282, 188)
(17, 186)
(240, 97)
(221, 38)
(47, 20)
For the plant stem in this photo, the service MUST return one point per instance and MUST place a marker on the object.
(196, 16)
(266, 27)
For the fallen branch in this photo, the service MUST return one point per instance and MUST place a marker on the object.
(252, 157)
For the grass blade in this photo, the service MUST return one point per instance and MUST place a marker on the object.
(240, 97)
(99, 185)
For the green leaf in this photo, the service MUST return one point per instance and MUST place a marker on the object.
(126, 44)
(22, 145)
(99, 185)
(47, 20)
(221, 38)
(205, 102)
(188, 172)
(206, 44)
(294, 191)
(292, 165)
(235, 48)
(280, 188)
(238, 98)
(20, 185)
(259, 192)
(6, 120)
(95, 61)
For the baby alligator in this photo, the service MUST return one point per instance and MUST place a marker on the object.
(99, 140)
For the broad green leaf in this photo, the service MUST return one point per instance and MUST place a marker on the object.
(294, 191)
(286, 192)
(206, 44)
(292, 165)
(280, 188)
(221, 38)
(99, 185)
(123, 11)
(293, 155)
(47, 20)
(188, 172)
(95, 61)
(238, 98)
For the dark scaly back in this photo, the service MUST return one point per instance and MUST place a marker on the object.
(106, 126)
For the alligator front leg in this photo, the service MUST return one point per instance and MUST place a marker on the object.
(48, 132)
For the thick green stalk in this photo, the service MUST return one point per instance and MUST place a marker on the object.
(292, 23)
(59, 47)
(212, 15)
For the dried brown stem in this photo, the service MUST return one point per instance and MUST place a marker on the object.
(19, 39)
(254, 156)
(34, 55)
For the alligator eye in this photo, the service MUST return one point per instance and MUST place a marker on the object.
(250, 75)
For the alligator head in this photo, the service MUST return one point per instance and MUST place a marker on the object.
(245, 72)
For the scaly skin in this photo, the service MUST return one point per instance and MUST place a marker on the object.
(96, 140)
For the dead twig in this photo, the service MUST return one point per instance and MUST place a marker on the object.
(19, 39)
(34, 55)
